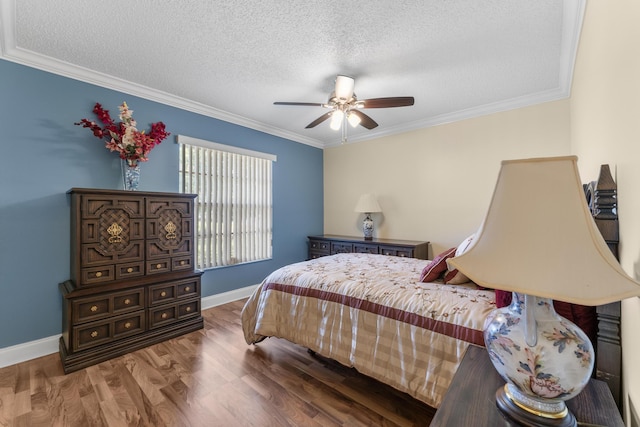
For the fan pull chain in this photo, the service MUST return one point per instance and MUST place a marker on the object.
(344, 129)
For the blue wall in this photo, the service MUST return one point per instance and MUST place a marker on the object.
(43, 155)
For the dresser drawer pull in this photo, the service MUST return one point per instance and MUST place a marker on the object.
(94, 308)
(187, 289)
(127, 301)
(183, 262)
(94, 334)
(188, 309)
(163, 294)
(130, 270)
(115, 232)
(163, 315)
(170, 228)
(158, 266)
(99, 274)
(127, 325)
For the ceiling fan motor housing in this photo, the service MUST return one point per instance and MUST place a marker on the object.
(344, 88)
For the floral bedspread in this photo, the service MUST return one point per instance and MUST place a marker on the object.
(371, 312)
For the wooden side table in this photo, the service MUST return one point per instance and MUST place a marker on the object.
(470, 400)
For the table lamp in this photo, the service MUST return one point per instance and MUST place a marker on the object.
(367, 204)
(539, 241)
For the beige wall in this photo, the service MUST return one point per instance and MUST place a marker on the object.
(605, 119)
(435, 184)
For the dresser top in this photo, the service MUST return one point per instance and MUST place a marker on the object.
(377, 241)
(105, 191)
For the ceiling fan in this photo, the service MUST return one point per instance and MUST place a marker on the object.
(345, 107)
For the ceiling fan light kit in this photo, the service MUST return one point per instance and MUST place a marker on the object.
(353, 119)
(336, 119)
(344, 105)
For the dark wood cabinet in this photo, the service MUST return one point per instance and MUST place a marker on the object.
(133, 281)
(329, 244)
(470, 399)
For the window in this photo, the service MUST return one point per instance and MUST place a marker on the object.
(234, 204)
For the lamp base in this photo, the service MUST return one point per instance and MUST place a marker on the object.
(531, 418)
(367, 227)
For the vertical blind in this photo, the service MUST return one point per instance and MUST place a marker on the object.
(234, 203)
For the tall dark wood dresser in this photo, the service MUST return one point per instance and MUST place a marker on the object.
(133, 281)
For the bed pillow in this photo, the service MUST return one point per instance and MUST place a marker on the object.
(453, 276)
(436, 267)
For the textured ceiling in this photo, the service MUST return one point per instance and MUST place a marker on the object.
(233, 59)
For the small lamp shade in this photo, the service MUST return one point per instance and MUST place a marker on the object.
(367, 204)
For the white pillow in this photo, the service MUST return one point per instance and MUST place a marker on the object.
(465, 245)
(453, 276)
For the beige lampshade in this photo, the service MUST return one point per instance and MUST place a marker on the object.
(367, 204)
(539, 238)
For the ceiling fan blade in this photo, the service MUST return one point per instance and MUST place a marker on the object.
(396, 101)
(319, 120)
(307, 104)
(365, 120)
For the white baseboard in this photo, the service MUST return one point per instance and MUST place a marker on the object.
(44, 346)
(28, 350)
(225, 297)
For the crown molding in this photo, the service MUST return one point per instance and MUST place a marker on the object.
(572, 26)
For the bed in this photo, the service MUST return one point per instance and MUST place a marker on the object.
(403, 321)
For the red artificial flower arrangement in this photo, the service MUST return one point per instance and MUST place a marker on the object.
(131, 144)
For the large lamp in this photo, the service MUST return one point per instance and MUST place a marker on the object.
(540, 241)
(367, 204)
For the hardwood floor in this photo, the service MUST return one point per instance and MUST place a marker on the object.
(209, 377)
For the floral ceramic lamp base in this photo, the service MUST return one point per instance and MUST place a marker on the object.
(367, 227)
(544, 358)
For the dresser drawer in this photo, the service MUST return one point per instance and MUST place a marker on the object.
(341, 248)
(314, 254)
(168, 292)
(171, 313)
(163, 315)
(104, 305)
(319, 246)
(97, 275)
(396, 251)
(365, 249)
(159, 266)
(179, 264)
(101, 332)
(125, 271)
(162, 294)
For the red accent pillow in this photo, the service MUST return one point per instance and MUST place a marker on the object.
(454, 277)
(436, 267)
